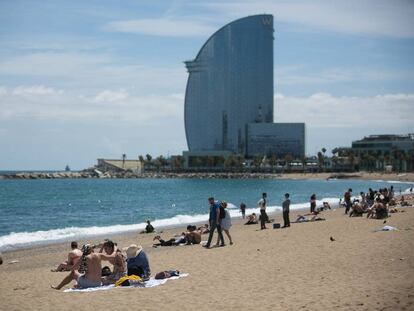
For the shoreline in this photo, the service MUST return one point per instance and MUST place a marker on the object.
(126, 234)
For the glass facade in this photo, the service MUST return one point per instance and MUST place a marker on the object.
(278, 139)
(230, 84)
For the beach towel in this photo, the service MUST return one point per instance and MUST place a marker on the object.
(150, 283)
(388, 228)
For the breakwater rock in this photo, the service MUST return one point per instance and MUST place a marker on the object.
(95, 173)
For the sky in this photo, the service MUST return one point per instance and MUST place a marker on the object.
(88, 79)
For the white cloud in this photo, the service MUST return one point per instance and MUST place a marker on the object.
(110, 96)
(376, 17)
(322, 110)
(44, 103)
(288, 75)
(167, 27)
(34, 90)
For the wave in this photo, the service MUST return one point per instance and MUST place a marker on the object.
(19, 240)
(394, 181)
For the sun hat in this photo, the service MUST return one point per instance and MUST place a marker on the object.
(133, 250)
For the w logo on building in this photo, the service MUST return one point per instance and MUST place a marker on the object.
(266, 20)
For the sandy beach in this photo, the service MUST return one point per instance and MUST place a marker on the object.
(275, 269)
(402, 177)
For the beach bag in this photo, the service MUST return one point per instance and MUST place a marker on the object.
(129, 280)
(166, 274)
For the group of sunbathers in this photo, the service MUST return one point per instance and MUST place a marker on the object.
(376, 204)
(191, 236)
(85, 264)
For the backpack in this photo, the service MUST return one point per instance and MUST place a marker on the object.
(222, 212)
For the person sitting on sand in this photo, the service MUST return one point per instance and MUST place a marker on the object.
(356, 210)
(88, 270)
(118, 262)
(137, 262)
(149, 228)
(373, 210)
(192, 236)
(204, 229)
(251, 219)
(73, 258)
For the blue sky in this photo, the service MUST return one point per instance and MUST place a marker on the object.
(81, 80)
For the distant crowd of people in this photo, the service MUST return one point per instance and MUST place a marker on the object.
(375, 203)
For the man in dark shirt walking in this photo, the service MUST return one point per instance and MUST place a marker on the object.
(214, 222)
(286, 210)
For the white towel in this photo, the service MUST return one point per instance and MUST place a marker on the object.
(150, 283)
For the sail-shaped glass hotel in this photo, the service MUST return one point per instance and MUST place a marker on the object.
(230, 88)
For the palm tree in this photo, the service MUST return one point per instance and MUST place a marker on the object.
(148, 157)
(288, 159)
(321, 160)
(351, 159)
(273, 161)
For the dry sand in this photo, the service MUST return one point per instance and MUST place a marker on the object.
(283, 269)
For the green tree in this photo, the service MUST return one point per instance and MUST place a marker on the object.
(321, 160)
(288, 159)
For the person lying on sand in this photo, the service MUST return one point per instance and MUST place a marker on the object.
(88, 270)
(73, 258)
(403, 202)
(302, 218)
(251, 219)
(171, 242)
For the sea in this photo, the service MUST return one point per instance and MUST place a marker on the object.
(46, 211)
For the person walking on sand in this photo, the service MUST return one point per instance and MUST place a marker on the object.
(263, 216)
(286, 210)
(312, 203)
(243, 209)
(225, 222)
(214, 222)
(347, 200)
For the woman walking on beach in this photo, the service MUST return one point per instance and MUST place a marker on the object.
(225, 222)
(312, 203)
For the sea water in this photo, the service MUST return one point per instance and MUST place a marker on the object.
(34, 212)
